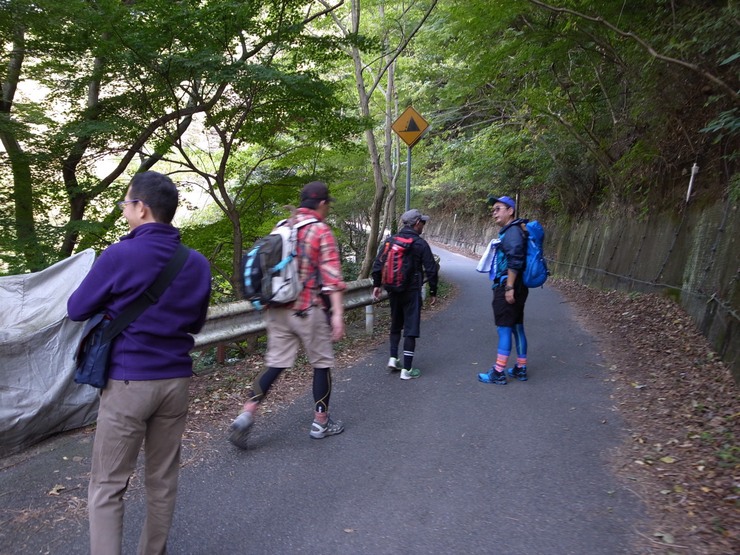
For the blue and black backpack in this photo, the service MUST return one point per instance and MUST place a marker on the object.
(270, 267)
(535, 268)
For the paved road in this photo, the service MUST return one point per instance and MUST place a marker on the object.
(442, 464)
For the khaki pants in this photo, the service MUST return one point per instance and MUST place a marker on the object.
(285, 331)
(153, 412)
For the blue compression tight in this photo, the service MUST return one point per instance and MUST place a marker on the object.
(504, 341)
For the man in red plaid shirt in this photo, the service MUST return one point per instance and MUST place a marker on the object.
(315, 319)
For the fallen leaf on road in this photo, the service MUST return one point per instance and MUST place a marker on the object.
(56, 490)
(667, 538)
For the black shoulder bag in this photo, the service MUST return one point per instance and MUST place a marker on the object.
(93, 354)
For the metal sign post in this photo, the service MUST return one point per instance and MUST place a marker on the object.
(410, 126)
(408, 180)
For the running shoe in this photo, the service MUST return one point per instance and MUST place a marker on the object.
(331, 428)
(518, 373)
(410, 374)
(239, 429)
(492, 376)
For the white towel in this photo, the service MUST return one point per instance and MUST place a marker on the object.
(484, 266)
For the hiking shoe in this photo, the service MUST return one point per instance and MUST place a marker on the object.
(410, 374)
(331, 428)
(492, 376)
(394, 365)
(239, 429)
(520, 373)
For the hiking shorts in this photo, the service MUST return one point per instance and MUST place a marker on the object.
(286, 331)
(406, 312)
(505, 314)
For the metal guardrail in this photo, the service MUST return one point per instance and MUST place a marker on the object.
(236, 321)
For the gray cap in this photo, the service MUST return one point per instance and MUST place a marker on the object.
(413, 216)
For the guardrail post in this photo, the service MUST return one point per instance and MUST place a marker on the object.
(369, 319)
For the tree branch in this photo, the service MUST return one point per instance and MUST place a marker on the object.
(629, 34)
(401, 47)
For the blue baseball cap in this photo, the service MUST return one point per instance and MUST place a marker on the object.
(508, 201)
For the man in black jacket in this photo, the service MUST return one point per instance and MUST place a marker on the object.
(405, 300)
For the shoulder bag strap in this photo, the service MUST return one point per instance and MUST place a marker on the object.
(151, 295)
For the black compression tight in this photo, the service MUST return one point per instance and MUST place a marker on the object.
(263, 383)
(321, 389)
(321, 386)
(395, 340)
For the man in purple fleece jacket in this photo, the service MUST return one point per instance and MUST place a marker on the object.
(146, 398)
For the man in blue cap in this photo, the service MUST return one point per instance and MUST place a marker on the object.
(509, 292)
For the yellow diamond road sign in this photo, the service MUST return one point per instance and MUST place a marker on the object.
(410, 126)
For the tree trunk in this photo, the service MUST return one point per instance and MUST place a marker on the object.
(20, 164)
(28, 243)
(371, 247)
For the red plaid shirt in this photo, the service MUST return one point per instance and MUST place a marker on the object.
(319, 266)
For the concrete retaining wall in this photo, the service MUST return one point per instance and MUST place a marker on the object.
(692, 255)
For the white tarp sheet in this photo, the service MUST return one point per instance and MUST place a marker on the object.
(38, 396)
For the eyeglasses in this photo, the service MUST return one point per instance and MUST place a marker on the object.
(500, 208)
(122, 203)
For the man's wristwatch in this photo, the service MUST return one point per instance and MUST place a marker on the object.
(509, 288)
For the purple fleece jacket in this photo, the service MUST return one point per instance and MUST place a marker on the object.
(157, 344)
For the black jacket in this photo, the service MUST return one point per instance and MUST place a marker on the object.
(513, 250)
(423, 262)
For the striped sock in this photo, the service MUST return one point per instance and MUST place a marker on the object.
(501, 362)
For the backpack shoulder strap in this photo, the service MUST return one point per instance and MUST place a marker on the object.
(296, 227)
(305, 222)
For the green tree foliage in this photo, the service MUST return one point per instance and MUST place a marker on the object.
(94, 91)
(261, 141)
(579, 105)
(377, 33)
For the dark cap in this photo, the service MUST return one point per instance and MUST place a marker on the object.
(508, 201)
(316, 190)
(413, 216)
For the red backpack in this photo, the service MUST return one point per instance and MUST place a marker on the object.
(397, 264)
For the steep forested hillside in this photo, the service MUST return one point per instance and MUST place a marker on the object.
(579, 107)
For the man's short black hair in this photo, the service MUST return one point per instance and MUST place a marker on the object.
(311, 203)
(158, 192)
